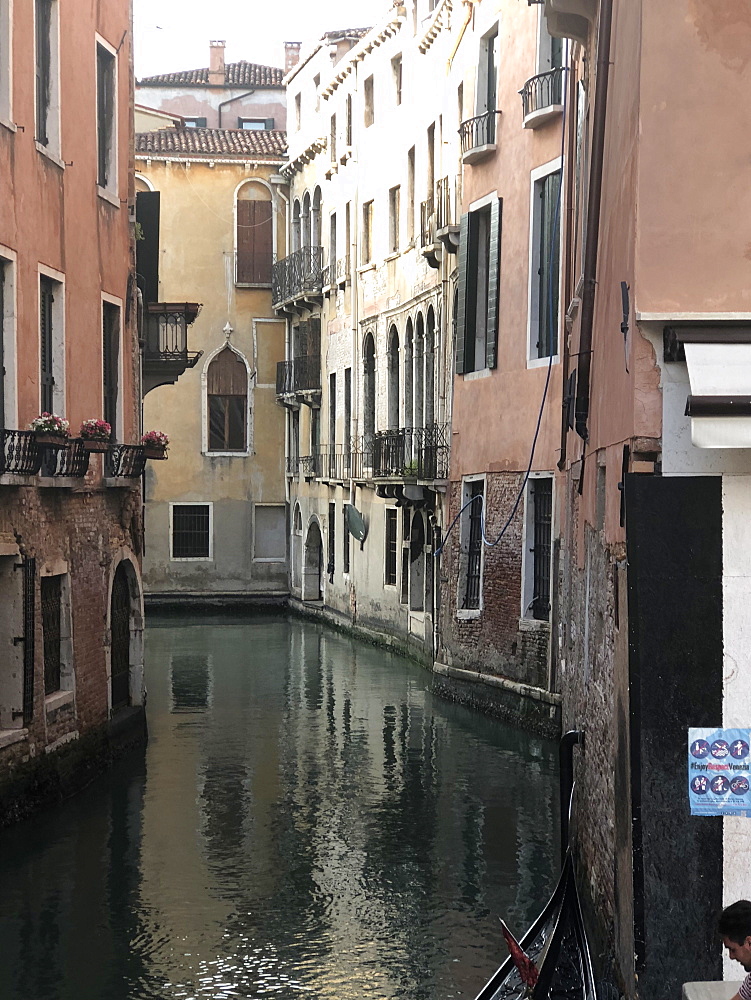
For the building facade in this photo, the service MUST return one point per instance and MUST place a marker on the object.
(212, 208)
(71, 609)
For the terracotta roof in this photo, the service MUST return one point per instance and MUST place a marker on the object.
(214, 142)
(332, 36)
(236, 74)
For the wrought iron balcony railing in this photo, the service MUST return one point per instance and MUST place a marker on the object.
(444, 209)
(72, 461)
(427, 222)
(542, 91)
(478, 132)
(167, 331)
(336, 273)
(339, 461)
(20, 455)
(298, 275)
(126, 461)
(253, 267)
(298, 376)
(411, 453)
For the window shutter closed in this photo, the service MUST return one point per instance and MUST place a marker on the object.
(494, 261)
(227, 375)
(461, 312)
(45, 335)
(254, 242)
(43, 58)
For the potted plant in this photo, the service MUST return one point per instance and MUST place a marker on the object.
(51, 430)
(155, 444)
(410, 469)
(96, 435)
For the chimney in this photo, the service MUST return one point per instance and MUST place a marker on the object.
(291, 55)
(216, 64)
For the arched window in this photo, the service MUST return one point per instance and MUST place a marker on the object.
(296, 235)
(430, 368)
(393, 374)
(305, 220)
(227, 402)
(369, 391)
(408, 350)
(419, 362)
(315, 219)
(255, 235)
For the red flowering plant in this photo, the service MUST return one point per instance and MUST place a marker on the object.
(50, 423)
(95, 430)
(155, 439)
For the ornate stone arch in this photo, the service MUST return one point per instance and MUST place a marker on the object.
(250, 374)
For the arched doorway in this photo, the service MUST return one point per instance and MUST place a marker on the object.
(312, 589)
(417, 563)
(120, 625)
(297, 551)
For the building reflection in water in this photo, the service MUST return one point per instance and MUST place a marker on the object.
(310, 821)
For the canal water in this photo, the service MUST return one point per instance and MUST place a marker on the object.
(307, 821)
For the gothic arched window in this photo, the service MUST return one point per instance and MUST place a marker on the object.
(227, 401)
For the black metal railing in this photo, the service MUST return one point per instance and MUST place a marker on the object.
(542, 91)
(298, 375)
(167, 332)
(427, 222)
(336, 273)
(297, 275)
(353, 461)
(20, 454)
(72, 461)
(444, 208)
(126, 461)
(478, 131)
(253, 267)
(411, 453)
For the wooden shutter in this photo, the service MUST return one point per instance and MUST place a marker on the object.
(254, 242)
(105, 111)
(494, 269)
(147, 248)
(227, 375)
(461, 287)
(47, 380)
(29, 621)
(549, 265)
(42, 69)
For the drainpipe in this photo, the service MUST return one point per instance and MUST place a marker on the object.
(465, 24)
(232, 100)
(593, 219)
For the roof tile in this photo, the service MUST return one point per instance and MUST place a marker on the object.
(216, 142)
(236, 74)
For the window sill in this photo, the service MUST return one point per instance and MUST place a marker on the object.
(10, 736)
(393, 255)
(106, 195)
(57, 700)
(468, 614)
(542, 362)
(474, 376)
(533, 625)
(227, 454)
(279, 561)
(12, 479)
(48, 154)
(364, 268)
(7, 123)
(252, 284)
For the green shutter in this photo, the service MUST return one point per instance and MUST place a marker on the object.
(461, 286)
(494, 274)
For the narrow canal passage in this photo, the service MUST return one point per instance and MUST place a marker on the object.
(307, 821)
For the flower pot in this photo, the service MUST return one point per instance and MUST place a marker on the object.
(51, 440)
(91, 444)
(154, 452)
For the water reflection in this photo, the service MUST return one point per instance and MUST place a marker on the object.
(307, 821)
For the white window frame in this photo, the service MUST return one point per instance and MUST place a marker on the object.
(58, 338)
(192, 503)
(113, 300)
(481, 90)
(533, 319)
(396, 586)
(110, 191)
(6, 65)
(53, 148)
(66, 693)
(9, 333)
(269, 559)
(205, 450)
(469, 614)
(528, 537)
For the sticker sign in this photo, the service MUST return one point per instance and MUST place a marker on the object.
(719, 772)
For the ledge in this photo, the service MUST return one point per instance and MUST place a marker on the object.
(10, 736)
(49, 155)
(106, 195)
(537, 118)
(492, 680)
(479, 153)
(127, 482)
(60, 482)
(11, 479)
(58, 700)
(710, 990)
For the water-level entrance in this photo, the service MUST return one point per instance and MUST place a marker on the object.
(307, 821)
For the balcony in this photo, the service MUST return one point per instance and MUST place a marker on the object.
(338, 462)
(429, 244)
(253, 268)
(411, 453)
(20, 457)
(64, 466)
(478, 136)
(297, 280)
(542, 98)
(447, 228)
(299, 381)
(123, 462)
(336, 274)
(165, 344)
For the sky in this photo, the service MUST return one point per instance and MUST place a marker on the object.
(173, 35)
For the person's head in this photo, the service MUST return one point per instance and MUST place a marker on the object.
(734, 926)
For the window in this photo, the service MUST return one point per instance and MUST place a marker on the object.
(52, 632)
(332, 139)
(51, 346)
(411, 194)
(393, 379)
(7, 343)
(345, 540)
(332, 542)
(487, 82)
(196, 123)
(47, 96)
(369, 404)
(227, 402)
(254, 124)
(105, 117)
(333, 471)
(391, 546)
(539, 512)
(470, 580)
(6, 75)
(349, 119)
(255, 235)
(347, 413)
(366, 249)
(406, 535)
(478, 279)
(297, 111)
(332, 248)
(549, 49)
(396, 69)
(111, 366)
(368, 113)
(191, 530)
(270, 533)
(394, 219)
(317, 86)
(544, 265)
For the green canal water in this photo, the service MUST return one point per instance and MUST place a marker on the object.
(307, 821)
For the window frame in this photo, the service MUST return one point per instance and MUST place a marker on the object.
(112, 302)
(466, 614)
(8, 338)
(205, 429)
(537, 178)
(47, 140)
(6, 65)
(272, 200)
(468, 364)
(191, 503)
(56, 278)
(107, 143)
(65, 693)
(529, 560)
(391, 517)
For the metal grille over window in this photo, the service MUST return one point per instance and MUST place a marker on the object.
(227, 392)
(542, 498)
(391, 546)
(51, 615)
(190, 531)
(474, 549)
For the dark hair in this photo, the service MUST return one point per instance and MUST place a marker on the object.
(735, 921)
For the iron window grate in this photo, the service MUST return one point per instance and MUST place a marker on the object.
(190, 531)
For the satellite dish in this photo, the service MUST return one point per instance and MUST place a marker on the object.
(357, 527)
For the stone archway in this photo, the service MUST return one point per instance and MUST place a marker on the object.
(126, 638)
(312, 575)
(417, 563)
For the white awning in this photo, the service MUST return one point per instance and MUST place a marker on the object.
(720, 402)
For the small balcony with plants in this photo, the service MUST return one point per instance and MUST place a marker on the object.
(542, 97)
